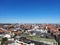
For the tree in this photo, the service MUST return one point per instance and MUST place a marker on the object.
(4, 40)
(14, 36)
(58, 43)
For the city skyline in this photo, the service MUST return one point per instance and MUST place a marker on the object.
(29, 11)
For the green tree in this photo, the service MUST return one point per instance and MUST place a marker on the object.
(58, 43)
(4, 40)
(14, 35)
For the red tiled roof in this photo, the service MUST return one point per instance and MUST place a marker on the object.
(1, 31)
(26, 26)
(17, 32)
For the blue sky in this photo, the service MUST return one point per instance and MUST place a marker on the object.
(29, 11)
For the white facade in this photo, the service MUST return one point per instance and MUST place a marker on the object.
(7, 35)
